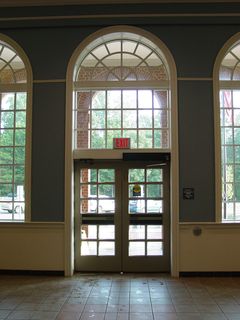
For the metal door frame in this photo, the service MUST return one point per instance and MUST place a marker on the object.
(120, 230)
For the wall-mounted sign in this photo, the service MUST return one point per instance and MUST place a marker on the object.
(121, 143)
(136, 190)
(188, 193)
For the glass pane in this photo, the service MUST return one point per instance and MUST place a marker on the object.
(136, 248)
(21, 101)
(19, 173)
(143, 51)
(106, 175)
(145, 99)
(19, 208)
(19, 153)
(160, 119)
(114, 119)
(237, 117)
(145, 119)
(227, 153)
(114, 60)
(106, 248)
(5, 209)
(132, 134)
(129, 46)
(154, 175)
(237, 154)
(129, 119)
(106, 205)
(88, 248)
(136, 190)
(106, 232)
(114, 99)
(98, 119)
(237, 136)
(6, 155)
(145, 139)
(20, 119)
(88, 231)
(226, 117)
(154, 206)
(106, 190)
(136, 175)
(89, 61)
(92, 175)
(236, 98)
(98, 100)
(6, 191)
(6, 174)
(20, 137)
(100, 52)
(98, 139)
(161, 139)
(154, 248)
(6, 137)
(87, 206)
(154, 191)
(129, 99)
(114, 46)
(112, 134)
(237, 173)
(160, 99)
(236, 73)
(136, 232)
(155, 232)
(7, 119)
(7, 102)
(136, 206)
(130, 60)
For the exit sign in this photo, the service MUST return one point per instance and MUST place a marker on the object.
(121, 143)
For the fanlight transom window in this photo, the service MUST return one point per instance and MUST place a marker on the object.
(229, 77)
(12, 68)
(121, 86)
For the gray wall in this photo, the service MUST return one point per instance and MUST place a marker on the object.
(194, 44)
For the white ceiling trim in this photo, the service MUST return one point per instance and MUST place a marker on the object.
(19, 3)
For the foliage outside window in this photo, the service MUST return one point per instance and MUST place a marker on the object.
(229, 97)
(13, 105)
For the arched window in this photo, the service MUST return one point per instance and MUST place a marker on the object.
(228, 106)
(121, 85)
(14, 82)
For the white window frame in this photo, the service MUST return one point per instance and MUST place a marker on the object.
(219, 85)
(26, 88)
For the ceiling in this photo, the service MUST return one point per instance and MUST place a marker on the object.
(16, 3)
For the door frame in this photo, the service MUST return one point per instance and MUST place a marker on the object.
(121, 262)
(118, 154)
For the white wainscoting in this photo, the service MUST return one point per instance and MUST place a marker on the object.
(216, 249)
(32, 246)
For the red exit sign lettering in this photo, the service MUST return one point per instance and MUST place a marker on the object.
(121, 143)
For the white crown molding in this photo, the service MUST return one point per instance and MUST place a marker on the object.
(20, 3)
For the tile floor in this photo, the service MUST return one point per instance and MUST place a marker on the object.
(119, 297)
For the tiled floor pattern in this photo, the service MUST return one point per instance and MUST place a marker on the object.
(119, 297)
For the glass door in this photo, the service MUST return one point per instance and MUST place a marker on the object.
(97, 218)
(146, 218)
(122, 216)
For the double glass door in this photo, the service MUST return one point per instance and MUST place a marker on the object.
(122, 216)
